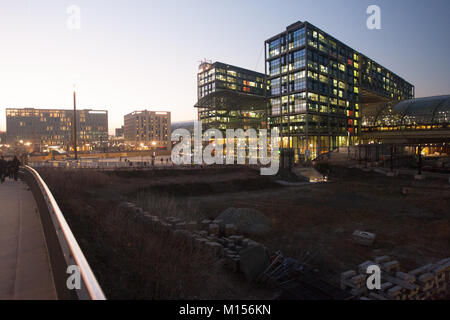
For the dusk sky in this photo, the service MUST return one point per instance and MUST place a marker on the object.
(132, 55)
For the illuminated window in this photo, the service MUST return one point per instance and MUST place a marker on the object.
(313, 96)
(323, 109)
(312, 75)
(276, 105)
(297, 38)
(274, 48)
(275, 67)
(323, 99)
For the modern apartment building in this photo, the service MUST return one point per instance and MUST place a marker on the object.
(148, 129)
(53, 127)
(320, 87)
(230, 97)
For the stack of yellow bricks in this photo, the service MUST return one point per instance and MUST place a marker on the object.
(430, 282)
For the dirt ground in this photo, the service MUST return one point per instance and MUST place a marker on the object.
(311, 221)
(318, 220)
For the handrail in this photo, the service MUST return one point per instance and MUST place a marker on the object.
(69, 245)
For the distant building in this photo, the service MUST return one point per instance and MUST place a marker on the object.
(2, 137)
(189, 125)
(148, 129)
(230, 97)
(119, 132)
(53, 127)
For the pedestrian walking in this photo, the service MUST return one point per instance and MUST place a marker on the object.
(9, 169)
(15, 165)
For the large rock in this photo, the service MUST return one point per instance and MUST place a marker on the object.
(249, 221)
(364, 238)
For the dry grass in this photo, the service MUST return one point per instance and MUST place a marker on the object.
(152, 265)
(130, 259)
(165, 205)
(66, 182)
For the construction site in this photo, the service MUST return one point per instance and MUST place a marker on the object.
(309, 237)
(310, 232)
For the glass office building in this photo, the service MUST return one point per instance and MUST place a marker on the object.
(320, 88)
(230, 97)
(53, 127)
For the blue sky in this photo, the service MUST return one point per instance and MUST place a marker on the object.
(133, 54)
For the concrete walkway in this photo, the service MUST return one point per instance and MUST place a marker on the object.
(25, 272)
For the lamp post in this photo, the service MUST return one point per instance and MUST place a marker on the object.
(348, 145)
(153, 153)
(74, 123)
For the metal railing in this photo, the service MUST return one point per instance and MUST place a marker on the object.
(63, 248)
(106, 165)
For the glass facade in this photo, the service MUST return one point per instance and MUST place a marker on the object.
(318, 86)
(230, 97)
(424, 114)
(54, 127)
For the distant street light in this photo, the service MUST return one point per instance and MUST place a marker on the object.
(74, 123)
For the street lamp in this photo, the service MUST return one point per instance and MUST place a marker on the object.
(348, 145)
(74, 123)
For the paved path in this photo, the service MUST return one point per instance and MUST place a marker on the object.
(24, 264)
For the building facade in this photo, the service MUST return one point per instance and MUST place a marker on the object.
(320, 88)
(2, 137)
(53, 127)
(230, 97)
(148, 129)
(119, 132)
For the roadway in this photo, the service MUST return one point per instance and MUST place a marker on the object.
(25, 272)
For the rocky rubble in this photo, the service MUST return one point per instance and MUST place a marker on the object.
(219, 238)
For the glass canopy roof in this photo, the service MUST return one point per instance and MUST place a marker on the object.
(422, 111)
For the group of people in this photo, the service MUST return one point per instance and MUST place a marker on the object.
(9, 168)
